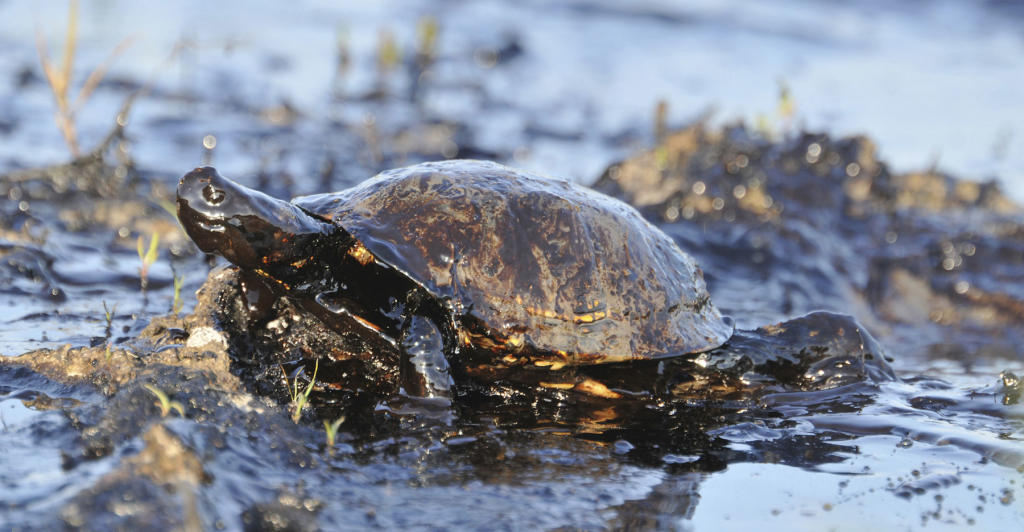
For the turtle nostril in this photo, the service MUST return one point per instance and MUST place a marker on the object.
(213, 195)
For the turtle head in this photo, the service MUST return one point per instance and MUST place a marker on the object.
(249, 228)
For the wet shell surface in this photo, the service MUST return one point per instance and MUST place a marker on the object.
(534, 264)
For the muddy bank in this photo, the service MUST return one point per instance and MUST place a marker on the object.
(781, 229)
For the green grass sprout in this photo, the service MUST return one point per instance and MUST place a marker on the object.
(178, 303)
(147, 258)
(785, 114)
(331, 428)
(299, 399)
(389, 56)
(427, 30)
(108, 315)
(164, 402)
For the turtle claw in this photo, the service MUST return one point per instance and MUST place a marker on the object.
(425, 372)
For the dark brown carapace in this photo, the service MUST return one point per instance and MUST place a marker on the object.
(519, 270)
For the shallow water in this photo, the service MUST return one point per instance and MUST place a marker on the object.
(933, 83)
(565, 89)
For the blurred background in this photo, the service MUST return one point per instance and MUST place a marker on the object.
(559, 87)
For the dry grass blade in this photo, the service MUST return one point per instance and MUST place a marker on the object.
(60, 80)
(52, 77)
(97, 74)
(59, 86)
(70, 41)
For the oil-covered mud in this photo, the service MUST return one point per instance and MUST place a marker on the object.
(813, 393)
(872, 379)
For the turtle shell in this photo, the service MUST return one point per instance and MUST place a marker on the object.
(541, 263)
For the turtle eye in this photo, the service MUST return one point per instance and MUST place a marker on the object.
(213, 195)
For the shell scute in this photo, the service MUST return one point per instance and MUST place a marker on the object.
(550, 263)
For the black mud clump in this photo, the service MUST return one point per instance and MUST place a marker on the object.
(112, 405)
(923, 259)
(277, 348)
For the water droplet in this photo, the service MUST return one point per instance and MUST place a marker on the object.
(739, 191)
(948, 264)
(717, 204)
(699, 188)
(853, 169)
(961, 287)
(891, 237)
(209, 142)
(813, 152)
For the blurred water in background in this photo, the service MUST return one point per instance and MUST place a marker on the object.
(933, 82)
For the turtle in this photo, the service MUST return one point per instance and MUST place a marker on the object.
(467, 264)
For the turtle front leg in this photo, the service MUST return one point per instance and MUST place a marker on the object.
(424, 368)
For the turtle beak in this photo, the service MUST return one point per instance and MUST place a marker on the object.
(209, 210)
(245, 226)
(203, 192)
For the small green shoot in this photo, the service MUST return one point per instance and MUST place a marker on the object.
(388, 54)
(169, 206)
(331, 428)
(785, 112)
(108, 353)
(165, 403)
(299, 399)
(147, 258)
(108, 314)
(427, 29)
(343, 60)
(178, 303)
(660, 120)
(786, 108)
